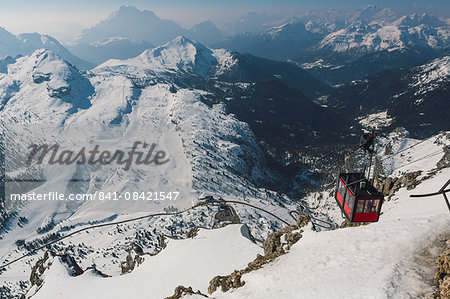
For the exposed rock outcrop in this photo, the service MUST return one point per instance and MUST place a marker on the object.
(388, 186)
(39, 268)
(181, 291)
(442, 275)
(347, 223)
(276, 244)
(134, 258)
(193, 232)
(43, 264)
(445, 161)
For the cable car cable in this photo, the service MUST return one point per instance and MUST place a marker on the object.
(415, 107)
(412, 109)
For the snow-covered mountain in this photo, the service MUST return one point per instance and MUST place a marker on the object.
(402, 247)
(418, 31)
(178, 55)
(128, 31)
(253, 89)
(27, 43)
(278, 43)
(338, 48)
(132, 23)
(373, 13)
(206, 32)
(368, 47)
(210, 152)
(371, 29)
(421, 92)
(182, 56)
(243, 137)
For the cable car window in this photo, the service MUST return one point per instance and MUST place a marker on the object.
(341, 188)
(368, 205)
(347, 196)
(351, 202)
(376, 202)
(359, 207)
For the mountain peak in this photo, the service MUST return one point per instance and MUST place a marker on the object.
(129, 10)
(371, 8)
(417, 19)
(133, 23)
(206, 32)
(179, 54)
(181, 40)
(182, 53)
(373, 13)
(207, 23)
(182, 45)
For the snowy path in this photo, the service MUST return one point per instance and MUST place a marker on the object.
(375, 261)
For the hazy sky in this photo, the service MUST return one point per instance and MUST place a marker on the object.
(64, 18)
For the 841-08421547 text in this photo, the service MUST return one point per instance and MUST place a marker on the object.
(155, 195)
(98, 195)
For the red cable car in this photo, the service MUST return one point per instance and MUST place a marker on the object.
(357, 198)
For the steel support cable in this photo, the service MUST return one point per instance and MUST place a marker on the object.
(424, 157)
(411, 110)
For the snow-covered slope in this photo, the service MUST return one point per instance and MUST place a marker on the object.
(190, 262)
(375, 261)
(154, 98)
(191, 62)
(398, 94)
(391, 258)
(210, 152)
(419, 31)
(33, 41)
(180, 54)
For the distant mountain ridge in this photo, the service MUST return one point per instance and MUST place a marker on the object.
(27, 43)
(129, 31)
(396, 94)
(187, 56)
(337, 49)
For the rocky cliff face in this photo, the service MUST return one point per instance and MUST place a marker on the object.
(442, 275)
(276, 244)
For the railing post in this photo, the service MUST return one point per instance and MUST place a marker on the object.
(441, 191)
